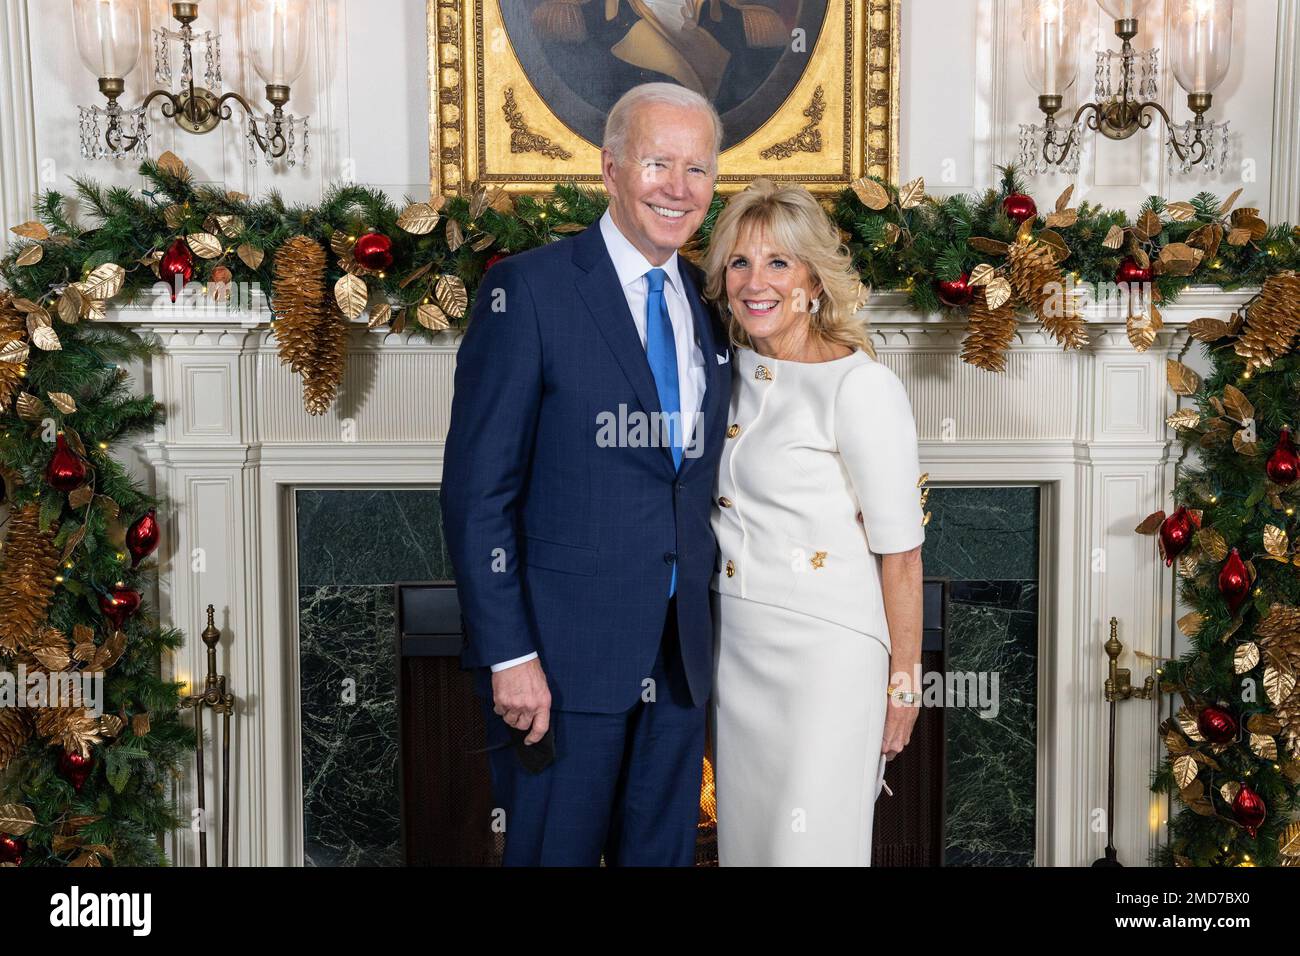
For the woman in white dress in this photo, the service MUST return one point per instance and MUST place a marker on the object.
(819, 526)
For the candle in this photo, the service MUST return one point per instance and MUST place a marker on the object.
(1202, 41)
(1051, 33)
(104, 21)
(277, 49)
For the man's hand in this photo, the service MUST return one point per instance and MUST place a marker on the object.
(522, 699)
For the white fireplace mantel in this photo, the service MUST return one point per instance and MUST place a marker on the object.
(1086, 427)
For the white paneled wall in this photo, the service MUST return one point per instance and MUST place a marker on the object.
(963, 95)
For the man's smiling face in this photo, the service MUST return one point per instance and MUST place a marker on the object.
(659, 192)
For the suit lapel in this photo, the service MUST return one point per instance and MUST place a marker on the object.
(600, 289)
(713, 372)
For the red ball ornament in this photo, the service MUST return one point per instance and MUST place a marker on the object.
(1129, 271)
(142, 536)
(119, 605)
(956, 293)
(176, 261)
(1176, 534)
(374, 250)
(66, 469)
(1216, 724)
(12, 849)
(1019, 207)
(1248, 809)
(494, 259)
(1283, 465)
(76, 768)
(1234, 581)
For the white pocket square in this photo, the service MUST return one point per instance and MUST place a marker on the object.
(724, 358)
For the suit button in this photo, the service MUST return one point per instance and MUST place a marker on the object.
(725, 502)
(733, 431)
(670, 557)
(731, 569)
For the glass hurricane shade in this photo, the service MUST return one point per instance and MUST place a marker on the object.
(107, 33)
(1201, 43)
(279, 33)
(1123, 9)
(1050, 29)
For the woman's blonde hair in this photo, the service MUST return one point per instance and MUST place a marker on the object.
(796, 223)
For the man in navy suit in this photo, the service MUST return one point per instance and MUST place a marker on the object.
(591, 393)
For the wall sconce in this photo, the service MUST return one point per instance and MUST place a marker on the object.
(108, 41)
(1202, 46)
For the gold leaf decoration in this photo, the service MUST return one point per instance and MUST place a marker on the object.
(982, 274)
(431, 317)
(46, 339)
(380, 314)
(31, 255)
(871, 193)
(451, 295)
(1184, 418)
(911, 195)
(1190, 624)
(29, 407)
(419, 218)
(1185, 770)
(1114, 238)
(71, 305)
(171, 163)
(455, 235)
(1263, 746)
(63, 402)
(31, 230)
(204, 244)
(1275, 541)
(104, 282)
(1209, 330)
(16, 819)
(1182, 380)
(351, 294)
(997, 293)
(250, 256)
(1237, 404)
(1180, 211)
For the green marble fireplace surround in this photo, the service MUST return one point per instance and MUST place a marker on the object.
(353, 544)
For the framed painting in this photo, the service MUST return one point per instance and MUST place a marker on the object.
(519, 89)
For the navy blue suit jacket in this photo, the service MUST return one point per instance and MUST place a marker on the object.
(563, 545)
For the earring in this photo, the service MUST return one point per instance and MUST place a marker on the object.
(815, 307)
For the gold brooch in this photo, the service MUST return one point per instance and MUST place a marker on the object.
(818, 559)
(762, 374)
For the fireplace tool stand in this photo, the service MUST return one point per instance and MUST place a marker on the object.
(216, 696)
(1118, 687)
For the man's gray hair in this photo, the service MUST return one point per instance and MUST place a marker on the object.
(619, 120)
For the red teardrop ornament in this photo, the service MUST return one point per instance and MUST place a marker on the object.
(66, 469)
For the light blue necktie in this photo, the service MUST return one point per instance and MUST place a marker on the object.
(661, 351)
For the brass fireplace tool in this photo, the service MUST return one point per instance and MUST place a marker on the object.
(216, 696)
(1118, 687)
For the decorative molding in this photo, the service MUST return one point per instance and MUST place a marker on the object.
(1284, 162)
(19, 168)
(524, 140)
(808, 139)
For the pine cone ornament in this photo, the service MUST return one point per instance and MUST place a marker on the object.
(1272, 321)
(310, 330)
(13, 332)
(1040, 286)
(15, 729)
(30, 563)
(989, 334)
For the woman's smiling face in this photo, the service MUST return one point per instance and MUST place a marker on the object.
(769, 289)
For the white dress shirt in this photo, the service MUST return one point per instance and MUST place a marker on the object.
(631, 267)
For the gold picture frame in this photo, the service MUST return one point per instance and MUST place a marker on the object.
(490, 124)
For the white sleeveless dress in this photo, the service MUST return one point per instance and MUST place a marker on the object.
(802, 652)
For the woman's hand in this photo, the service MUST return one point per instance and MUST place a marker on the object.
(900, 718)
(901, 585)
